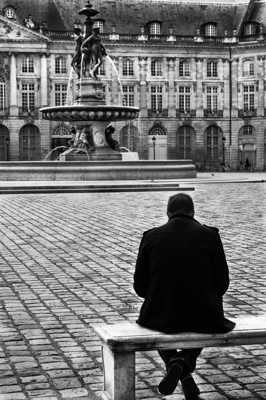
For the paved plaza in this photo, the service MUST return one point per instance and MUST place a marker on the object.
(67, 261)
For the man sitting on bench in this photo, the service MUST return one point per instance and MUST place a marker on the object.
(182, 274)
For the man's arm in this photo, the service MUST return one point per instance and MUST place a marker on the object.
(141, 270)
(221, 270)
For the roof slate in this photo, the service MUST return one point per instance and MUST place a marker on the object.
(128, 16)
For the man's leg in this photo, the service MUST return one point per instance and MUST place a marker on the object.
(180, 365)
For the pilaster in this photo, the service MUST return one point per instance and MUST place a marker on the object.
(13, 86)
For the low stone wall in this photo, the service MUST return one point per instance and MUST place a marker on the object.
(95, 170)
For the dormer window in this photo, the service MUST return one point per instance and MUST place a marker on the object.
(251, 29)
(209, 30)
(99, 24)
(155, 28)
(9, 12)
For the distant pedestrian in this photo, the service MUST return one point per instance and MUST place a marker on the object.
(182, 274)
(247, 165)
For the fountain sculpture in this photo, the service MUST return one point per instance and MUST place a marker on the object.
(89, 112)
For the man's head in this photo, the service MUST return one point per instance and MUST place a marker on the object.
(180, 203)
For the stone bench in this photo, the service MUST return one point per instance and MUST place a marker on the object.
(120, 342)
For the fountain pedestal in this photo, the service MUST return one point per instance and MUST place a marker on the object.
(97, 146)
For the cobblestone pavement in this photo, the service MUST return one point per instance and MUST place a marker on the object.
(67, 261)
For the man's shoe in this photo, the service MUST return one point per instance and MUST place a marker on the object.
(173, 374)
(189, 387)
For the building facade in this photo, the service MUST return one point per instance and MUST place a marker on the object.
(196, 71)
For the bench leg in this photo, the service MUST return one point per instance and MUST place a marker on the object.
(119, 375)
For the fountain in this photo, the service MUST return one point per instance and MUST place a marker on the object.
(89, 112)
(93, 153)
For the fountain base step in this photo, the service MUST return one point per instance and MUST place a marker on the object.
(96, 170)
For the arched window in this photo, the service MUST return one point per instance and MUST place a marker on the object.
(129, 137)
(213, 133)
(127, 67)
(60, 65)
(157, 129)
(247, 130)
(210, 29)
(4, 143)
(184, 142)
(29, 143)
(2, 94)
(61, 131)
(155, 28)
(98, 23)
(156, 68)
(28, 64)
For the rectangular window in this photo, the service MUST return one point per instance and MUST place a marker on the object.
(212, 98)
(249, 97)
(129, 98)
(248, 68)
(184, 68)
(212, 68)
(28, 65)
(101, 70)
(156, 68)
(157, 98)
(127, 68)
(2, 95)
(184, 98)
(60, 65)
(28, 96)
(60, 91)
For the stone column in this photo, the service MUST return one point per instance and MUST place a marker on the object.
(235, 88)
(200, 89)
(44, 82)
(143, 85)
(171, 87)
(260, 86)
(13, 86)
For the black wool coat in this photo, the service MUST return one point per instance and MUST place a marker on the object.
(182, 274)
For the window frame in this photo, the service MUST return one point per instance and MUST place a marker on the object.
(128, 95)
(60, 66)
(3, 94)
(156, 67)
(212, 69)
(212, 93)
(28, 101)
(157, 98)
(184, 99)
(249, 98)
(60, 93)
(127, 67)
(27, 65)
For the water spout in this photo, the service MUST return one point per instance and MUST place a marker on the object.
(69, 95)
(121, 97)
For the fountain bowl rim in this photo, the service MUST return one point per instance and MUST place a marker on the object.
(78, 108)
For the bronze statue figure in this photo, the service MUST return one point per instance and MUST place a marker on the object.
(89, 54)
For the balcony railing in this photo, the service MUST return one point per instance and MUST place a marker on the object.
(25, 112)
(247, 113)
(158, 113)
(185, 114)
(127, 37)
(213, 113)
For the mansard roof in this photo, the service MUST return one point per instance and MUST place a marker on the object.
(128, 16)
(41, 10)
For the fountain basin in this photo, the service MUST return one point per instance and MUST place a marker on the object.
(82, 112)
